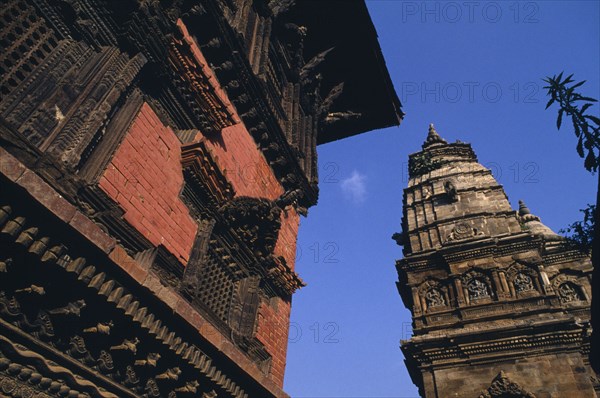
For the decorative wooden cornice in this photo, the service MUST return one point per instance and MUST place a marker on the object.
(52, 252)
(205, 102)
(256, 221)
(223, 49)
(197, 160)
(283, 277)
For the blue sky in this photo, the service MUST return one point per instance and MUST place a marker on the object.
(474, 69)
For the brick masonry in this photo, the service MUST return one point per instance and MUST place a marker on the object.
(145, 178)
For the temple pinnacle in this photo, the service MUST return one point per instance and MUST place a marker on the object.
(433, 137)
(525, 213)
(523, 209)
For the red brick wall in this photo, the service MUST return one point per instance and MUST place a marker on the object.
(145, 178)
(273, 329)
(247, 170)
(250, 175)
(288, 234)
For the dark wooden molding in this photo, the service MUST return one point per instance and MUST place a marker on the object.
(103, 147)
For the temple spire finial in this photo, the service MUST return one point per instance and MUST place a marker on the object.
(523, 209)
(525, 213)
(433, 138)
(533, 223)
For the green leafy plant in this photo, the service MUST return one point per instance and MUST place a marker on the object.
(581, 233)
(586, 233)
(574, 105)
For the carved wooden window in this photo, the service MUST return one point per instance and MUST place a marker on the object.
(216, 287)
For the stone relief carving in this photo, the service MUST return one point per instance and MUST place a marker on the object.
(477, 289)
(434, 298)
(568, 292)
(568, 289)
(462, 231)
(433, 295)
(523, 283)
(503, 386)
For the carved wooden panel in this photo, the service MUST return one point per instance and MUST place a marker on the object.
(98, 328)
(25, 40)
(59, 93)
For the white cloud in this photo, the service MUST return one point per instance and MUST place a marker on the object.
(354, 187)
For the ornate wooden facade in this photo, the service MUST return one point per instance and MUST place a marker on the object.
(155, 158)
(500, 303)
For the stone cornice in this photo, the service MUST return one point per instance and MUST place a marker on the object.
(510, 341)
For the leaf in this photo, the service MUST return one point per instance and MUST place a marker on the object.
(584, 107)
(593, 119)
(580, 147)
(576, 127)
(568, 79)
(550, 103)
(589, 99)
(581, 83)
(559, 119)
(590, 161)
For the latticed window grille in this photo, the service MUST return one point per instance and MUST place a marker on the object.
(216, 287)
(25, 40)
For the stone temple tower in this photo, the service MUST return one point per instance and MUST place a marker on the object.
(500, 303)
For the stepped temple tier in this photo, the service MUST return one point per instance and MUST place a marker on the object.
(155, 158)
(500, 303)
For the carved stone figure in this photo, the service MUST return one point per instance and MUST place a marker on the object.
(523, 282)
(568, 293)
(463, 231)
(434, 298)
(450, 190)
(477, 289)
